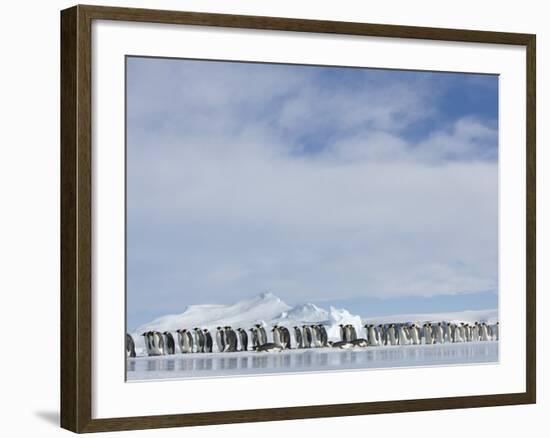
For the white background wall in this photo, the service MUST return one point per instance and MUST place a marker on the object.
(29, 219)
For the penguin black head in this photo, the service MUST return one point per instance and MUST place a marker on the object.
(205, 330)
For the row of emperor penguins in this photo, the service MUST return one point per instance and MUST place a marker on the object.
(428, 333)
(228, 339)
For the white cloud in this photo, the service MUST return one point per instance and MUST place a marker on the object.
(222, 202)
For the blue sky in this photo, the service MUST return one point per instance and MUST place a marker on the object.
(376, 188)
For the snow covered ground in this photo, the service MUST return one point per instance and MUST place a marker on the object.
(197, 365)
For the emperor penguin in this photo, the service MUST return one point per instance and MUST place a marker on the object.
(352, 332)
(185, 340)
(461, 332)
(277, 339)
(392, 335)
(157, 343)
(230, 339)
(324, 335)
(414, 334)
(451, 332)
(382, 334)
(315, 336)
(360, 342)
(130, 346)
(428, 333)
(262, 335)
(270, 347)
(220, 339)
(208, 344)
(169, 342)
(484, 336)
(344, 345)
(148, 346)
(243, 338)
(447, 335)
(281, 331)
(373, 338)
(343, 333)
(308, 337)
(190, 340)
(467, 332)
(439, 335)
(254, 338)
(495, 331)
(285, 336)
(404, 338)
(298, 337)
(199, 340)
(475, 332)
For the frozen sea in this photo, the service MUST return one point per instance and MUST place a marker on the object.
(201, 365)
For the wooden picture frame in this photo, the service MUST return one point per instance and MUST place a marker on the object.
(76, 217)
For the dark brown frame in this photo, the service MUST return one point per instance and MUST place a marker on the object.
(76, 219)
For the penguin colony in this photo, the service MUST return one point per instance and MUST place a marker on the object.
(227, 339)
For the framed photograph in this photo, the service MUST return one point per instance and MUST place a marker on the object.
(270, 218)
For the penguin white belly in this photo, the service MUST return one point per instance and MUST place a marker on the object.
(484, 333)
(276, 337)
(415, 337)
(468, 334)
(392, 336)
(428, 335)
(439, 335)
(373, 338)
(403, 340)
